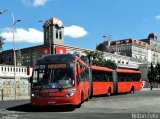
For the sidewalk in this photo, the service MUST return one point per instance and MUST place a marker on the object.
(13, 98)
(148, 89)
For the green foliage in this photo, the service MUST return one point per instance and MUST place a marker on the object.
(151, 73)
(96, 58)
(154, 73)
(157, 73)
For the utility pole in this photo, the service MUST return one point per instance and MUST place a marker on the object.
(108, 39)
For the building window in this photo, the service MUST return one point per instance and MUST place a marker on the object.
(1, 61)
(24, 70)
(47, 35)
(57, 34)
(60, 34)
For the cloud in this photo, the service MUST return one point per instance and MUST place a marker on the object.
(30, 35)
(157, 17)
(39, 2)
(34, 3)
(75, 31)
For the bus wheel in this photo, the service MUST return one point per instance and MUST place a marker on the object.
(109, 92)
(132, 89)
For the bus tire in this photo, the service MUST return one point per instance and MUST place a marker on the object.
(132, 90)
(109, 92)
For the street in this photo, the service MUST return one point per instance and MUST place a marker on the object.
(117, 106)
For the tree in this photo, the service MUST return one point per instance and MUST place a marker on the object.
(96, 58)
(1, 43)
(151, 74)
(110, 64)
(93, 56)
(157, 73)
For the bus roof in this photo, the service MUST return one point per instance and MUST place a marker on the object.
(101, 68)
(127, 71)
(56, 58)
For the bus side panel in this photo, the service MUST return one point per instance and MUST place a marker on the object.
(122, 87)
(137, 86)
(87, 86)
(102, 87)
(83, 91)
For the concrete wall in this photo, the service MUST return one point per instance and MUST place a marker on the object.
(8, 84)
(7, 89)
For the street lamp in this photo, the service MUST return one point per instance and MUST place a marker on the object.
(14, 53)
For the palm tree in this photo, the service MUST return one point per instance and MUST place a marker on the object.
(92, 56)
(96, 58)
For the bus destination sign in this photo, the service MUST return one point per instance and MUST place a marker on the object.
(55, 66)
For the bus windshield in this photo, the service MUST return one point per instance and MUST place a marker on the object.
(53, 76)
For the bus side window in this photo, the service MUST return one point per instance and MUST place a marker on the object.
(93, 75)
(119, 77)
(110, 77)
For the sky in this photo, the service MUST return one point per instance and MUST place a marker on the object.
(85, 21)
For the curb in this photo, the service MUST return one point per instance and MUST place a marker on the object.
(148, 89)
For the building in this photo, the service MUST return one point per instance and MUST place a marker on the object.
(142, 51)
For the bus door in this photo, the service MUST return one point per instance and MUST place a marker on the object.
(115, 81)
(82, 79)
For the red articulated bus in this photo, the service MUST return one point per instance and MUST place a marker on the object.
(128, 80)
(108, 81)
(102, 80)
(60, 80)
(65, 79)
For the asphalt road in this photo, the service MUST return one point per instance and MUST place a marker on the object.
(126, 106)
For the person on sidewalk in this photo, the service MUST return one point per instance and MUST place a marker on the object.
(151, 85)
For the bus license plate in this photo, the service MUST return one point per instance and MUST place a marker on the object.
(51, 102)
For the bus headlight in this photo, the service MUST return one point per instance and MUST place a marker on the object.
(34, 94)
(70, 93)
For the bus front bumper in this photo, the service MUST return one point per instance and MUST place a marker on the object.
(36, 101)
